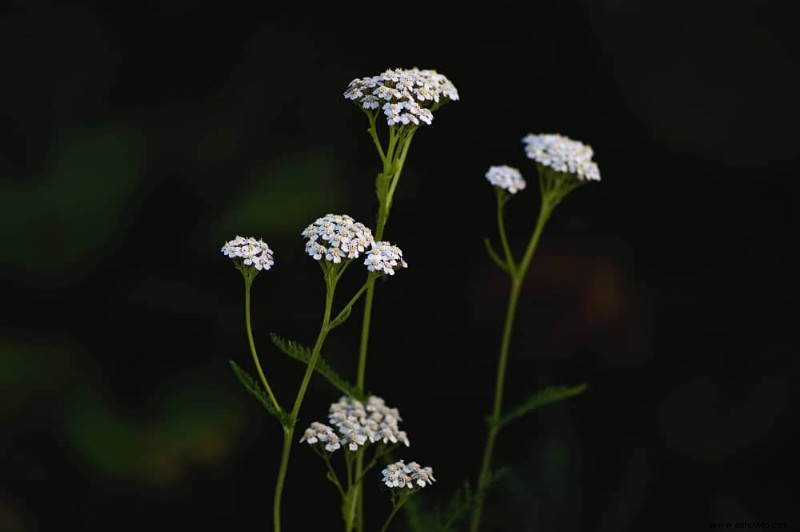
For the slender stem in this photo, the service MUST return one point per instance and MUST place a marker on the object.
(334, 478)
(399, 163)
(392, 168)
(347, 308)
(548, 204)
(288, 436)
(247, 285)
(353, 487)
(517, 276)
(378, 454)
(323, 332)
(348, 459)
(373, 132)
(488, 451)
(365, 323)
(501, 227)
(288, 432)
(395, 509)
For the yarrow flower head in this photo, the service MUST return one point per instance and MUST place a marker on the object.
(406, 96)
(249, 252)
(563, 155)
(411, 475)
(335, 237)
(384, 258)
(355, 424)
(319, 432)
(506, 177)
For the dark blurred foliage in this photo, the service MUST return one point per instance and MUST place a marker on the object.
(137, 138)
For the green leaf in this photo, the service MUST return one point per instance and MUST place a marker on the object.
(494, 256)
(551, 394)
(252, 386)
(303, 354)
(458, 508)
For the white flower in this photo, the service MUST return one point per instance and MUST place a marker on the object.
(336, 237)
(384, 258)
(407, 94)
(506, 177)
(251, 252)
(319, 432)
(357, 424)
(563, 155)
(402, 475)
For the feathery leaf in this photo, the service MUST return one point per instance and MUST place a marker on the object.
(255, 390)
(303, 354)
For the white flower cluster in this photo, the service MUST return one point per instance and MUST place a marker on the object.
(404, 95)
(402, 475)
(319, 432)
(252, 252)
(384, 257)
(336, 237)
(563, 155)
(357, 424)
(506, 177)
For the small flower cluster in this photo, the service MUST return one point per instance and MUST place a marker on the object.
(336, 237)
(319, 432)
(384, 257)
(563, 155)
(404, 95)
(506, 177)
(402, 475)
(356, 424)
(251, 252)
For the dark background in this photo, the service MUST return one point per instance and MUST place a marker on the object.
(137, 138)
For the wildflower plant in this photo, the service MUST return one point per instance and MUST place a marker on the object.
(405, 99)
(362, 433)
(334, 241)
(563, 165)
(368, 431)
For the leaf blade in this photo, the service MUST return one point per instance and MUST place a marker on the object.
(549, 395)
(255, 390)
(303, 354)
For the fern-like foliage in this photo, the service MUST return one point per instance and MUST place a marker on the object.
(551, 394)
(303, 354)
(457, 510)
(255, 390)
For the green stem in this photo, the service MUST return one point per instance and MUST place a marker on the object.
(288, 437)
(247, 285)
(398, 165)
(501, 226)
(383, 215)
(353, 488)
(395, 509)
(392, 166)
(332, 476)
(373, 132)
(288, 432)
(365, 323)
(345, 312)
(517, 275)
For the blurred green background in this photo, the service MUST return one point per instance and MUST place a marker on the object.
(138, 137)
